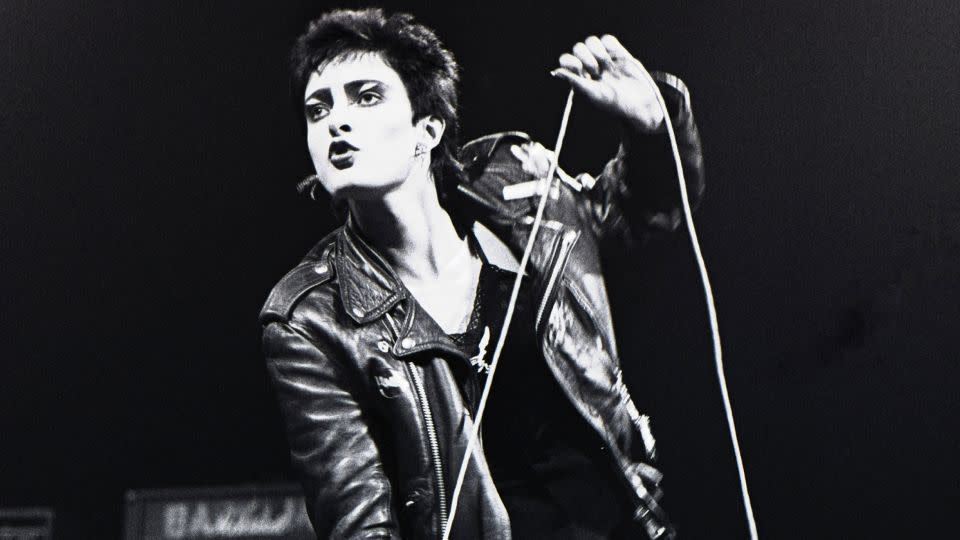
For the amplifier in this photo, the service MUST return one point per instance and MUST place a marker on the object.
(250, 512)
(26, 524)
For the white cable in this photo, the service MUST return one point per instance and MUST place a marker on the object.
(548, 185)
(712, 312)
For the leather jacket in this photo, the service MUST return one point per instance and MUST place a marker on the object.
(363, 375)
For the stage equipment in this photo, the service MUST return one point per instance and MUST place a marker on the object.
(26, 523)
(250, 512)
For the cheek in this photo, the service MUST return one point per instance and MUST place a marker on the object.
(394, 131)
(399, 147)
(318, 142)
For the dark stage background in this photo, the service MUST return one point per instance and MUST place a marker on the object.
(147, 206)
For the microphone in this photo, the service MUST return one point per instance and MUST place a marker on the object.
(308, 186)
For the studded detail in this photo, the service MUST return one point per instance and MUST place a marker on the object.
(358, 312)
(383, 346)
(321, 268)
(408, 343)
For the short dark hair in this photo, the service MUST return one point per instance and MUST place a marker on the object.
(428, 70)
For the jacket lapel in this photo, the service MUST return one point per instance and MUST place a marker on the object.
(368, 286)
(369, 289)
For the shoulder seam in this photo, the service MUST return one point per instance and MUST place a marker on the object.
(294, 285)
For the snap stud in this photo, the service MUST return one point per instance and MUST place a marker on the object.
(383, 346)
(320, 268)
(407, 343)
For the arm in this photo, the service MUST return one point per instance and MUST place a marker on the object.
(637, 191)
(607, 74)
(348, 494)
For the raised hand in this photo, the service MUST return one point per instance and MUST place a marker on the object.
(604, 71)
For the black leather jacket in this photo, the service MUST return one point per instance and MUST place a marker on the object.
(362, 372)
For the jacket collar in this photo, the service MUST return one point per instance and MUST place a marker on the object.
(368, 286)
(369, 289)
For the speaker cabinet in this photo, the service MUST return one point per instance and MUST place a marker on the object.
(248, 512)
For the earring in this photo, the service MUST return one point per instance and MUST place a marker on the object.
(420, 150)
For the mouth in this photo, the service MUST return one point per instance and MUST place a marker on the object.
(341, 154)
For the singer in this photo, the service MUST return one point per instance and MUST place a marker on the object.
(378, 343)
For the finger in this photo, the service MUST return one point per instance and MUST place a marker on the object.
(589, 61)
(571, 63)
(599, 51)
(614, 47)
(587, 180)
(541, 157)
(580, 84)
(526, 164)
(518, 152)
(533, 157)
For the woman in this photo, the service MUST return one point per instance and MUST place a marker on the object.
(377, 343)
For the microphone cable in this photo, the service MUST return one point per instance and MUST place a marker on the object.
(712, 314)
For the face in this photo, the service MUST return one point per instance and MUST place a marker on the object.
(360, 128)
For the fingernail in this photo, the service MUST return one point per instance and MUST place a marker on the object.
(555, 73)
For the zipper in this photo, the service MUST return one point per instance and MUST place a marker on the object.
(560, 261)
(434, 444)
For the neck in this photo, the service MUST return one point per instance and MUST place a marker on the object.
(410, 228)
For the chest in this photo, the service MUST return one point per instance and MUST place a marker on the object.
(449, 297)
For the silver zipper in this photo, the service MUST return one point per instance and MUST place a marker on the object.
(434, 444)
(566, 242)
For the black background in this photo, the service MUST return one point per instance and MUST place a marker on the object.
(147, 206)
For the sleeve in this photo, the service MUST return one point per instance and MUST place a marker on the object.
(347, 492)
(637, 193)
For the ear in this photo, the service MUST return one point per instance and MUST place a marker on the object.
(431, 130)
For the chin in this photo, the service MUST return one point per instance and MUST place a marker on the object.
(359, 187)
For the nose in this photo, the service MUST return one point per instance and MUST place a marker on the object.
(337, 123)
(337, 129)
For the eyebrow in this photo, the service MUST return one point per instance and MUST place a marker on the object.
(352, 88)
(324, 95)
